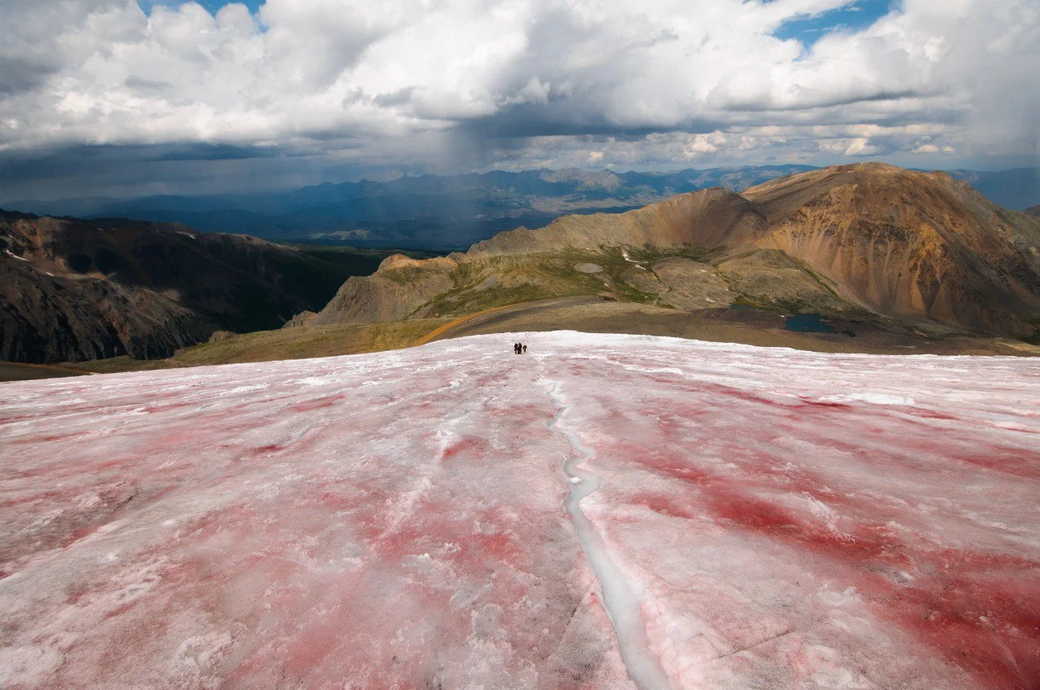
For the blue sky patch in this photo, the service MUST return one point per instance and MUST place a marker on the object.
(852, 17)
(213, 6)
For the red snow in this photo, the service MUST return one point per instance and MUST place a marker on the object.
(787, 519)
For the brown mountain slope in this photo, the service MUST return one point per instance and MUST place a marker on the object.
(1033, 211)
(708, 218)
(919, 248)
(73, 290)
(60, 318)
(401, 286)
(909, 244)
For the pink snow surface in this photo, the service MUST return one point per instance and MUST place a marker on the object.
(765, 518)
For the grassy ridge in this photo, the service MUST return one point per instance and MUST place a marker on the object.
(517, 278)
(484, 282)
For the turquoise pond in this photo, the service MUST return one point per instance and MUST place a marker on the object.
(807, 323)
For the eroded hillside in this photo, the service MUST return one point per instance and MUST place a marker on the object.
(909, 244)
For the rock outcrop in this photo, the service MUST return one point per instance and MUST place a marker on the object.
(304, 318)
(682, 283)
(400, 287)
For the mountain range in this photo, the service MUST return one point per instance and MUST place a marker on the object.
(452, 212)
(866, 243)
(854, 247)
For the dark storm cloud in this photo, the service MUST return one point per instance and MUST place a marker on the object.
(19, 74)
(536, 121)
(808, 104)
(85, 158)
(85, 171)
(399, 97)
(208, 152)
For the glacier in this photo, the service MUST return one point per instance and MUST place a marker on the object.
(606, 511)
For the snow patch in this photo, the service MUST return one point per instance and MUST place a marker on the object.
(872, 398)
(28, 665)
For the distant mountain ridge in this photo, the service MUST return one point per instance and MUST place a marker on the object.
(429, 210)
(453, 211)
(864, 241)
(74, 290)
(1015, 189)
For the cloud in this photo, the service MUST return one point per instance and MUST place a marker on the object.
(861, 147)
(474, 83)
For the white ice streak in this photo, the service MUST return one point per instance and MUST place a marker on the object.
(622, 598)
(867, 397)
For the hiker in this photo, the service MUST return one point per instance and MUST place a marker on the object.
(516, 348)
(524, 350)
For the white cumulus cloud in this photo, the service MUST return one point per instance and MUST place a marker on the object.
(478, 83)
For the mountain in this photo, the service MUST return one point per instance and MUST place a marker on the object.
(1033, 211)
(428, 211)
(910, 244)
(605, 512)
(867, 241)
(75, 290)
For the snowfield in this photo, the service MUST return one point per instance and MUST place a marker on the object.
(607, 511)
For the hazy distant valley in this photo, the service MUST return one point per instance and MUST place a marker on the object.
(452, 212)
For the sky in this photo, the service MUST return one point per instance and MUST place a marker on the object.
(854, 16)
(133, 97)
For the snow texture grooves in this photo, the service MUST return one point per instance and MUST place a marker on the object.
(621, 599)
